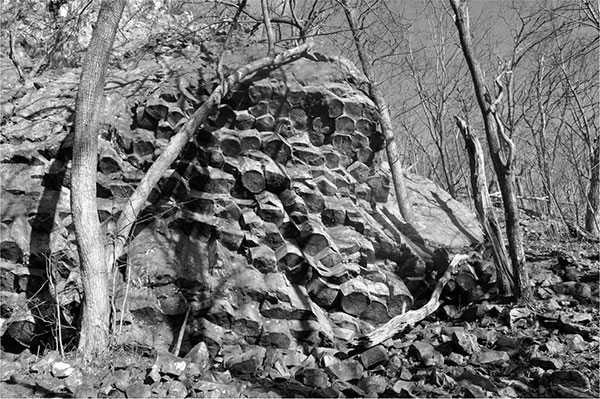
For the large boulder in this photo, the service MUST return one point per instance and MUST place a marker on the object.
(278, 214)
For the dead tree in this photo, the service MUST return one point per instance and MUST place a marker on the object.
(592, 215)
(386, 122)
(502, 151)
(484, 208)
(136, 202)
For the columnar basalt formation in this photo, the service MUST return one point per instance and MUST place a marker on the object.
(276, 227)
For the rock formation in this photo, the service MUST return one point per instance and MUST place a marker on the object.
(275, 229)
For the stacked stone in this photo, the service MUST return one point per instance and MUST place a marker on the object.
(283, 175)
(37, 241)
(263, 226)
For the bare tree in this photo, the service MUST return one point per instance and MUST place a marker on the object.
(268, 27)
(95, 265)
(94, 332)
(386, 123)
(502, 150)
(592, 216)
(554, 59)
(436, 75)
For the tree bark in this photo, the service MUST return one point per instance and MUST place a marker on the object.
(94, 332)
(540, 143)
(484, 207)
(592, 215)
(504, 168)
(386, 123)
(410, 318)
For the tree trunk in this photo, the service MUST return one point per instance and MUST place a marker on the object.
(485, 211)
(94, 332)
(541, 148)
(504, 169)
(386, 123)
(592, 215)
(268, 27)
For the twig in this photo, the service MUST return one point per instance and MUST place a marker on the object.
(58, 326)
(11, 52)
(123, 307)
(181, 332)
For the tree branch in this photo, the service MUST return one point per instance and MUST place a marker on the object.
(171, 152)
(268, 27)
(240, 7)
(386, 122)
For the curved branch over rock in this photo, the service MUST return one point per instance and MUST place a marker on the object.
(138, 198)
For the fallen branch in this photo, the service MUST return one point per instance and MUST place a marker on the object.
(177, 348)
(172, 151)
(400, 322)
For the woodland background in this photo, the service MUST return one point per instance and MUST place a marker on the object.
(550, 49)
(544, 54)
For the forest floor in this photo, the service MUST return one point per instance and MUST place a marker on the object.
(549, 348)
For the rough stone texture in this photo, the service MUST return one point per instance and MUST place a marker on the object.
(267, 224)
(138, 390)
(346, 370)
(440, 219)
(170, 364)
(246, 361)
(547, 363)
(421, 350)
(314, 377)
(62, 369)
(466, 342)
(492, 357)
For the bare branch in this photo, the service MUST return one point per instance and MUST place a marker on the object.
(240, 7)
(400, 322)
(129, 214)
(386, 123)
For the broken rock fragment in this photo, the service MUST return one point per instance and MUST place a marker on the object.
(346, 370)
(170, 364)
(248, 360)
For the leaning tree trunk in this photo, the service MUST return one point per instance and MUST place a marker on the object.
(592, 215)
(484, 208)
(386, 123)
(137, 200)
(504, 168)
(94, 332)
